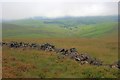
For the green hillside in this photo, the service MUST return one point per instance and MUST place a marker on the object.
(60, 27)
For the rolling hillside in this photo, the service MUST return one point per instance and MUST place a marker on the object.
(88, 27)
(96, 36)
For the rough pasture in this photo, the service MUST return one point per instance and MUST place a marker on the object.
(71, 53)
(46, 64)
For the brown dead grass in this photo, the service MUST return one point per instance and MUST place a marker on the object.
(9, 71)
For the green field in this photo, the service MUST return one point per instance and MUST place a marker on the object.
(96, 36)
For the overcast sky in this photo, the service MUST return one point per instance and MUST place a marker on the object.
(57, 8)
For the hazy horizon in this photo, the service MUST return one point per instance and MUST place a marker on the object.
(45, 17)
(54, 9)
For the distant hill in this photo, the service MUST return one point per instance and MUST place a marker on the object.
(95, 26)
(65, 21)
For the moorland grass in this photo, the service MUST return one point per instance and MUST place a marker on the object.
(41, 64)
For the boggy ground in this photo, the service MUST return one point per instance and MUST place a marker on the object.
(20, 63)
